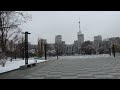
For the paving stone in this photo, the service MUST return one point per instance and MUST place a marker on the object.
(114, 74)
(86, 77)
(104, 76)
(55, 73)
(80, 75)
(35, 78)
(98, 73)
(68, 74)
(52, 77)
(69, 77)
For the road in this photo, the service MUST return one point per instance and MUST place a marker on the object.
(71, 67)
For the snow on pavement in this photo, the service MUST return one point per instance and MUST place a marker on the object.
(15, 64)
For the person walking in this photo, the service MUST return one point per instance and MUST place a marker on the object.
(110, 51)
(113, 50)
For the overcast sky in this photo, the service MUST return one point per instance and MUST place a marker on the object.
(47, 24)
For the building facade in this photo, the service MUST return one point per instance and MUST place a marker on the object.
(75, 47)
(80, 37)
(41, 47)
(58, 39)
(115, 40)
(59, 45)
(97, 42)
(69, 49)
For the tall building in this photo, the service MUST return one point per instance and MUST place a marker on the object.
(75, 46)
(59, 45)
(115, 40)
(41, 47)
(97, 42)
(80, 37)
(58, 39)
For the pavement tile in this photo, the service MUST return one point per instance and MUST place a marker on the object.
(104, 76)
(35, 78)
(69, 77)
(80, 75)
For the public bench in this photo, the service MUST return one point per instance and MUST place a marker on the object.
(27, 66)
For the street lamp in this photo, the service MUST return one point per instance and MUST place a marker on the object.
(45, 48)
(57, 50)
(26, 47)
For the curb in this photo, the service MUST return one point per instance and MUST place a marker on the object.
(18, 69)
(9, 71)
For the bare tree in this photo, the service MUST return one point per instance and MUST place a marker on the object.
(9, 26)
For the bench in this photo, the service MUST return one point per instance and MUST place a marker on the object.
(27, 66)
(31, 65)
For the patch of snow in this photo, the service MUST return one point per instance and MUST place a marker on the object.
(15, 64)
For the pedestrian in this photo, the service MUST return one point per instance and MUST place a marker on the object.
(113, 50)
(110, 51)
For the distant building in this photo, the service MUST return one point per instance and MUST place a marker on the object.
(75, 47)
(97, 42)
(80, 37)
(106, 44)
(59, 45)
(63, 47)
(41, 47)
(58, 39)
(98, 38)
(69, 49)
(115, 40)
(51, 46)
(32, 46)
(42, 42)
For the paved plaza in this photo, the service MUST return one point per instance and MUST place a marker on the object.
(71, 67)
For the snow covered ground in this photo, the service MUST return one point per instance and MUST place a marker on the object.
(15, 64)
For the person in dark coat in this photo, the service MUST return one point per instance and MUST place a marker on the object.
(113, 50)
(110, 51)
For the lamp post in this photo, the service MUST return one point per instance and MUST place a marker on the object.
(45, 48)
(57, 50)
(26, 47)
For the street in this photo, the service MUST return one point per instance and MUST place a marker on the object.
(71, 67)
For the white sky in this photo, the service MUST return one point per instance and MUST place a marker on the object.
(47, 24)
